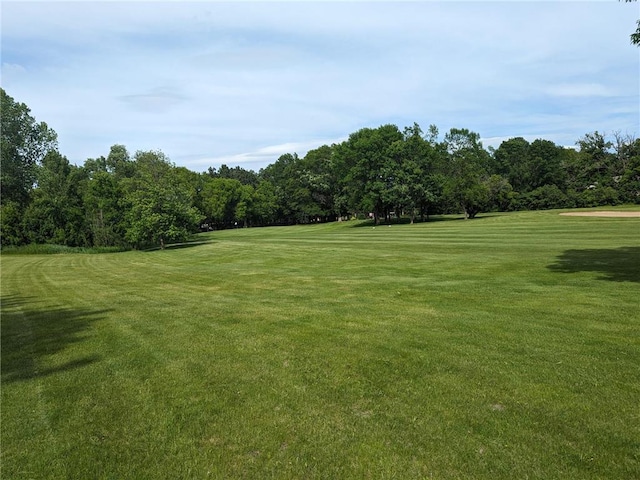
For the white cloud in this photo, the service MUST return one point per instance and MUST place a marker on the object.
(580, 90)
(157, 100)
(264, 155)
(242, 83)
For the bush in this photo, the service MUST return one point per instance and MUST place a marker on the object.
(51, 249)
(545, 198)
(597, 197)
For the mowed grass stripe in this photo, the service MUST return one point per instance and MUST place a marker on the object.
(448, 349)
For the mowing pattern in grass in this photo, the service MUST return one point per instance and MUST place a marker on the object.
(503, 347)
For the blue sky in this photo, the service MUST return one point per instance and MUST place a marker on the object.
(241, 83)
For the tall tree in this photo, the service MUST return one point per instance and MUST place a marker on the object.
(23, 144)
(370, 177)
(597, 160)
(321, 182)
(263, 204)
(220, 198)
(56, 213)
(246, 177)
(628, 182)
(160, 204)
(104, 208)
(512, 159)
(466, 171)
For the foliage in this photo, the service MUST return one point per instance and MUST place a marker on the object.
(55, 214)
(379, 172)
(635, 36)
(467, 167)
(160, 204)
(23, 144)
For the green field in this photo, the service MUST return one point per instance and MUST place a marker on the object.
(502, 347)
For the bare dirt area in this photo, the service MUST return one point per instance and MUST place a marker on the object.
(602, 214)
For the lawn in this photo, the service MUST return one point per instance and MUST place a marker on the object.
(507, 346)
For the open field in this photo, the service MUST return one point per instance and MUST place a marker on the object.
(502, 347)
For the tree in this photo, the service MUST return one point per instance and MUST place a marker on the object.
(55, 215)
(301, 188)
(24, 143)
(263, 205)
(466, 169)
(119, 162)
(160, 204)
(512, 159)
(220, 198)
(628, 182)
(635, 37)
(319, 177)
(501, 195)
(597, 161)
(367, 161)
(415, 188)
(545, 166)
(104, 209)
(246, 177)
(528, 166)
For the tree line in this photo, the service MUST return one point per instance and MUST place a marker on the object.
(141, 200)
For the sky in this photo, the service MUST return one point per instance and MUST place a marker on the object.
(241, 83)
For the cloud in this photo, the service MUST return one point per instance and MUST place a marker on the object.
(580, 90)
(158, 100)
(264, 155)
(12, 71)
(244, 82)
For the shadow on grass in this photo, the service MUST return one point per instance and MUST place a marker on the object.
(432, 219)
(181, 245)
(617, 265)
(29, 335)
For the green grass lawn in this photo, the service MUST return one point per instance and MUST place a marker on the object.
(502, 347)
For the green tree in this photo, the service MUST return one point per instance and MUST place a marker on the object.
(628, 182)
(545, 167)
(119, 162)
(527, 166)
(635, 37)
(596, 161)
(246, 177)
(512, 161)
(370, 174)
(263, 205)
(56, 214)
(105, 202)
(414, 189)
(220, 198)
(104, 208)
(319, 177)
(23, 145)
(501, 195)
(297, 189)
(466, 171)
(160, 203)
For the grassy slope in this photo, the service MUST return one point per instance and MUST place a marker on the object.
(503, 347)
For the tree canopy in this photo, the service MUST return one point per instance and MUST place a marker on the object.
(381, 173)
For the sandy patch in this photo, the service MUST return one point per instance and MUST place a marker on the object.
(602, 214)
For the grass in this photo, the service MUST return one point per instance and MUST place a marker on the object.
(503, 347)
